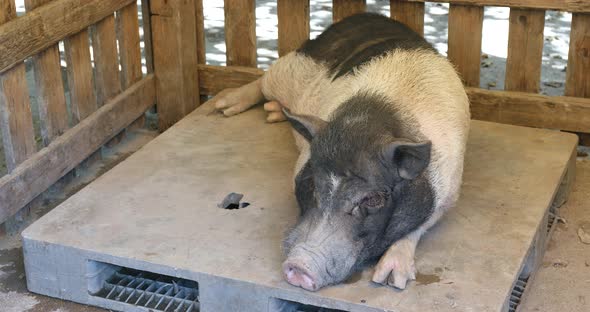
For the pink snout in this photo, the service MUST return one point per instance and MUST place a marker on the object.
(298, 275)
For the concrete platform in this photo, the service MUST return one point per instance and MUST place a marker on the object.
(157, 212)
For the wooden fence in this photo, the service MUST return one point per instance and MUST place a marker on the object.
(104, 103)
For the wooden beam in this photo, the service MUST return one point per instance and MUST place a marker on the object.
(525, 50)
(147, 35)
(344, 8)
(465, 47)
(240, 32)
(559, 5)
(409, 13)
(16, 123)
(200, 31)
(518, 108)
(175, 59)
(293, 24)
(45, 26)
(39, 172)
(528, 109)
(129, 50)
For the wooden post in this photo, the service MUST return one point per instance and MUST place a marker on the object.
(525, 50)
(240, 32)
(344, 8)
(175, 59)
(293, 24)
(578, 67)
(409, 13)
(50, 95)
(15, 109)
(465, 31)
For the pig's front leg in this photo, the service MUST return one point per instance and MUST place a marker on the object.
(396, 266)
(233, 101)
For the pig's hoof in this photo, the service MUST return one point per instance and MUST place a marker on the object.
(275, 112)
(233, 101)
(395, 270)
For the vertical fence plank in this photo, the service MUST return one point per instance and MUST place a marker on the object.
(200, 31)
(50, 95)
(79, 73)
(525, 50)
(16, 122)
(344, 8)
(240, 32)
(175, 59)
(293, 24)
(147, 35)
(578, 67)
(409, 13)
(106, 62)
(129, 49)
(465, 46)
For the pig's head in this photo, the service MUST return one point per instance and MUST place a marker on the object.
(347, 194)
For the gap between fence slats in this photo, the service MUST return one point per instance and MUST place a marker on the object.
(525, 50)
(409, 13)
(465, 46)
(16, 123)
(147, 35)
(293, 24)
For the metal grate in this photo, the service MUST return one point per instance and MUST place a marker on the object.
(517, 292)
(150, 290)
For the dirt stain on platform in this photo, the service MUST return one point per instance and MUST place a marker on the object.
(354, 278)
(426, 279)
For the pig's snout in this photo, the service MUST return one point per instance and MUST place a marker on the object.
(298, 274)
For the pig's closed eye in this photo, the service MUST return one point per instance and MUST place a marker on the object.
(373, 202)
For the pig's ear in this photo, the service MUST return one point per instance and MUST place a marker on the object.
(409, 158)
(307, 126)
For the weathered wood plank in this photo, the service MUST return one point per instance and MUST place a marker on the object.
(129, 49)
(465, 47)
(106, 61)
(147, 35)
(344, 8)
(175, 59)
(240, 32)
(578, 67)
(525, 50)
(519, 108)
(80, 78)
(200, 31)
(528, 109)
(16, 122)
(50, 94)
(293, 24)
(39, 172)
(409, 13)
(45, 26)
(560, 5)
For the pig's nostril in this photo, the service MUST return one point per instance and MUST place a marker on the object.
(297, 275)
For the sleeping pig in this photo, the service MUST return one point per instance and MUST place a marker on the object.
(381, 121)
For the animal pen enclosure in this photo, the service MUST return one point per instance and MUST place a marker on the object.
(108, 91)
(106, 99)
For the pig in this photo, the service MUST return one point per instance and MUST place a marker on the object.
(381, 122)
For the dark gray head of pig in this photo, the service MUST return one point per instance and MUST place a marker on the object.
(353, 193)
